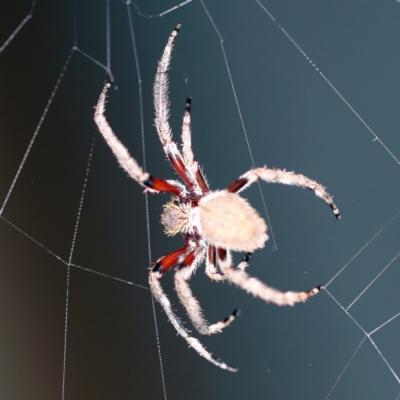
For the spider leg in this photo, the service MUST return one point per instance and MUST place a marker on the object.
(211, 265)
(182, 276)
(259, 289)
(127, 162)
(165, 263)
(161, 297)
(187, 151)
(161, 107)
(286, 178)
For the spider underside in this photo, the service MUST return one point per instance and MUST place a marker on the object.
(212, 223)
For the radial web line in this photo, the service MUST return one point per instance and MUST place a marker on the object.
(60, 77)
(385, 323)
(221, 42)
(348, 314)
(362, 248)
(77, 49)
(376, 138)
(160, 14)
(384, 359)
(368, 335)
(108, 36)
(19, 27)
(373, 280)
(78, 217)
(344, 369)
(75, 19)
(139, 78)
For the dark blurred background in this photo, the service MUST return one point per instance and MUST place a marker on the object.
(293, 118)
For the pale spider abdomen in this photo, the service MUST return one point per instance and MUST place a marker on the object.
(228, 221)
(175, 218)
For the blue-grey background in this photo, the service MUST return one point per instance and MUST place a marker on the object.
(293, 120)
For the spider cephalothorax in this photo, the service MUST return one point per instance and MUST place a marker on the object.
(212, 223)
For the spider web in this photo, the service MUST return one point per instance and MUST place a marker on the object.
(310, 87)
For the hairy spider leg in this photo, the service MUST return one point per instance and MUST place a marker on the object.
(161, 107)
(160, 296)
(168, 261)
(127, 162)
(182, 276)
(286, 178)
(256, 287)
(187, 151)
(186, 259)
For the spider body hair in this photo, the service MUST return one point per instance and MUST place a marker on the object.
(223, 219)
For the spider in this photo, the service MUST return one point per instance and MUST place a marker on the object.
(212, 223)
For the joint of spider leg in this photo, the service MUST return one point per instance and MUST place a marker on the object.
(235, 313)
(160, 185)
(335, 211)
(157, 270)
(314, 291)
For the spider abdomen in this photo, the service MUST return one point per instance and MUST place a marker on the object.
(230, 222)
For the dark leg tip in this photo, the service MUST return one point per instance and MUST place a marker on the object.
(246, 257)
(157, 268)
(188, 104)
(236, 312)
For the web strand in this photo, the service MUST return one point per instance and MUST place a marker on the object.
(369, 285)
(65, 262)
(221, 42)
(362, 249)
(385, 323)
(34, 240)
(139, 79)
(344, 369)
(160, 14)
(107, 68)
(19, 27)
(39, 125)
(368, 335)
(71, 253)
(78, 50)
(375, 136)
(108, 36)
